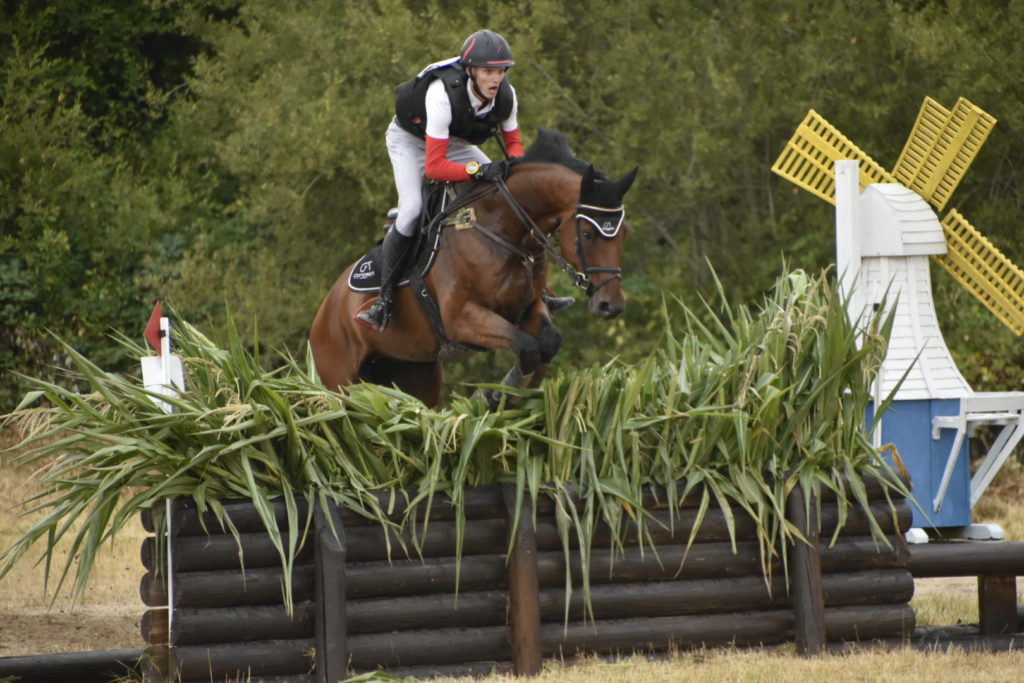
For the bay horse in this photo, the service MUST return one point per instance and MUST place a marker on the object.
(487, 278)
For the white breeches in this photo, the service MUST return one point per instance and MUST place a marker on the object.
(408, 157)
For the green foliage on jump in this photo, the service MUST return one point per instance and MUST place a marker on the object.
(738, 410)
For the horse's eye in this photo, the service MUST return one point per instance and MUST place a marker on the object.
(588, 235)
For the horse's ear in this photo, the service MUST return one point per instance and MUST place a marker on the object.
(623, 184)
(589, 178)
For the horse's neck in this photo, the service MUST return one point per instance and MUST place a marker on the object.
(544, 191)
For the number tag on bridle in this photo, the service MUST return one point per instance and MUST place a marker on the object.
(607, 221)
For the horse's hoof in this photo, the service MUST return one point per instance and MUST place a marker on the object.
(494, 399)
(557, 304)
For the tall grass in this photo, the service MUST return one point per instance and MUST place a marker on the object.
(738, 408)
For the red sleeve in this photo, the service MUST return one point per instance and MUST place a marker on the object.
(438, 167)
(513, 144)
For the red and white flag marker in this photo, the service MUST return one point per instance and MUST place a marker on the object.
(162, 373)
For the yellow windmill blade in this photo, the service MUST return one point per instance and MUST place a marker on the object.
(808, 158)
(941, 147)
(980, 267)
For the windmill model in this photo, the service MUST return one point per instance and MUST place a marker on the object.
(885, 232)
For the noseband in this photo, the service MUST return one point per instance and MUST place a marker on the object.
(608, 222)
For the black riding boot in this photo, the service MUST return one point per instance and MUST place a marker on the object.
(393, 251)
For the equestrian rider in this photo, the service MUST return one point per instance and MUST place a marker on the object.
(440, 117)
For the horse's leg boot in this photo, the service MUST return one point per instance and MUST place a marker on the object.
(393, 252)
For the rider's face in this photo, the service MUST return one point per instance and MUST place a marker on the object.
(487, 80)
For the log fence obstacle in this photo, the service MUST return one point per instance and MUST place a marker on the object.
(422, 614)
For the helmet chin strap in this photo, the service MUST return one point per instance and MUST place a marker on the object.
(476, 88)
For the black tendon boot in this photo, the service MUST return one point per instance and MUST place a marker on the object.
(393, 251)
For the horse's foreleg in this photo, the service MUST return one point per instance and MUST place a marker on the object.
(479, 326)
(535, 344)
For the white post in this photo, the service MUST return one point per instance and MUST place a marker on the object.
(849, 249)
(165, 350)
(848, 238)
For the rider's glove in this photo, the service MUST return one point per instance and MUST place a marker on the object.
(492, 172)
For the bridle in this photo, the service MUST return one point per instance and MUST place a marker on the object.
(607, 221)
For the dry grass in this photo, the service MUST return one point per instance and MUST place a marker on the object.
(108, 617)
(780, 664)
(34, 621)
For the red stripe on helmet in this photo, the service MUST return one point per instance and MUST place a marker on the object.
(469, 48)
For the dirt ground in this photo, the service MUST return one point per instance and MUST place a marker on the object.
(41, 630)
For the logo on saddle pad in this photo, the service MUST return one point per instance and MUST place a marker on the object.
(365, 275)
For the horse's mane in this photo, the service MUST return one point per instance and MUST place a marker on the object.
(552, 147)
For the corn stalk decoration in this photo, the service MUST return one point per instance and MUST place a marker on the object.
(739, 407)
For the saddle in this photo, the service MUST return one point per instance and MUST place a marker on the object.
(442, 208)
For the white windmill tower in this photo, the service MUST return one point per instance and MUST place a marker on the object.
(885, 233)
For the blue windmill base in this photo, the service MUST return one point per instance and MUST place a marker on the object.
(908, 426)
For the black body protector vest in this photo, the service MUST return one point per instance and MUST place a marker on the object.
(411, 108)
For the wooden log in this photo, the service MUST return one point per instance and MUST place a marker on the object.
(430, 575)
(330, 615)
(154, 626)
(259, 586)
(442, 610)
(245, 660)
(739, 628)
(868, 587)
(869, 622)
(659, 633)
(481, 537)
(203, 553)
(230, 588)
(623, 600)
(805, 574)
(82, 667)
(155, 666)
(997, 604)
(429, 647)
(206, 626)
(207, 553)
(665, 527)
(715, 559)
(968, 558)
(654, 497)
(153, 590)
(481, 502)
(863, 552)
(523, 603)
(717, 595)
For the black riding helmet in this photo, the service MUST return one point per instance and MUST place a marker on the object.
(486, 48)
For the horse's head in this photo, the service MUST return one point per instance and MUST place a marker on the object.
(595, 249)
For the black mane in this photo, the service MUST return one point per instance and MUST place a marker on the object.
(552, 147)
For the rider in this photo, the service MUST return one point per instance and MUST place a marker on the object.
(441, 116)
